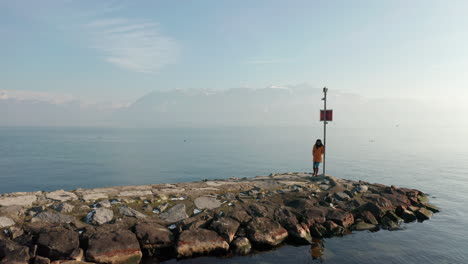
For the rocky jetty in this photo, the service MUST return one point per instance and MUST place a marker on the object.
(217, 217)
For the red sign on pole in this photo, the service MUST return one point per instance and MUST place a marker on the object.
(329, 115)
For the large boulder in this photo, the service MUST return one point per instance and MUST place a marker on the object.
(6, 222)
(333, 229)
(155, 239)
(261, 210)
(377, 205)
(397, 198)
(195, 242)
(130, 212)
(94, 196)
(368, 217)
(226, 227)
(318, 230)
(58, 244)
(265, 233)
(63, 208)
(361, 225)
(175, 213)
(433, 208)
(407, 215)
(343, 218)
(315, 215)
(114, 247)
(298, 231)
(100, 216)
(374, 209)
(50, 217)
(206, 202)
(23, 200)
(15, 212)
(241, 246)
(61, 196)
(13, 253)
(423, 214)
(240, 215)
(41, 260)
(302, 204)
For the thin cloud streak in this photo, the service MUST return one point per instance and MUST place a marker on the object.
(133, 45)
(264, 61)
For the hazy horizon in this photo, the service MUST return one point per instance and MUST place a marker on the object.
(272, 106)
(219, 63)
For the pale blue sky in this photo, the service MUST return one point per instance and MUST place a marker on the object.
(121, 50)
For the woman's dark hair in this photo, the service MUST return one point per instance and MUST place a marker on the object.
(318, 143)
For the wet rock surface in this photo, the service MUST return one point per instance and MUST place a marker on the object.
(266, 233)
(155, 239)
(199, 241)
(183, 220)
(118, 246)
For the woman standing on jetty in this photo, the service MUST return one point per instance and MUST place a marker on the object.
(317, 152)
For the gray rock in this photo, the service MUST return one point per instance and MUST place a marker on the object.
(163, 207)
(41, 260)
(342, 196)
(361, 225)
(154, 239)
(433, 208)
(241, 246)
(64, 208)
(369, 217)
(298, 231)
(13, 253)
(61, 196)
(94, 196)
(408, 216)
(324, 186)
(362, 188)
(130, 212)
(148, 208)
(114, 247)
(6, 222)
(205, 202)
(52, 218)
(230, 197)
(200, 241)
(23, 200)
(135, 193)
(226, 227)
(15, 232)
(105, 204)
(266, 233)
(343, 218)
(58, 244)
(77, 255)
(387, 223)
(100, 216)
(13, 211)
(423, 214)
(175, 213)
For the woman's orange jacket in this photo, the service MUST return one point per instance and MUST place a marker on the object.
(317, 153)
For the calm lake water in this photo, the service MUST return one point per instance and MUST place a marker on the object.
(433, 160)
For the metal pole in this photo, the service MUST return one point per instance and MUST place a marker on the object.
(325, 90)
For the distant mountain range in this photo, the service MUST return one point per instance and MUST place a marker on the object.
(273, 106)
